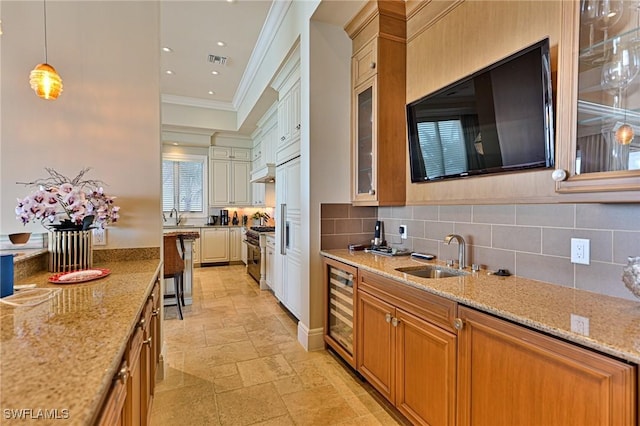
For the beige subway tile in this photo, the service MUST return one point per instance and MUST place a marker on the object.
(503, 214)
(518, 238)
(334, 211)
(327, 226)
(557, 215)
(348, 226)
(550, 269)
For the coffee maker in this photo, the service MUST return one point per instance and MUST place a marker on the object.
(224, 217)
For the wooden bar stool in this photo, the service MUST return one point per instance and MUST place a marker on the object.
(174, 268)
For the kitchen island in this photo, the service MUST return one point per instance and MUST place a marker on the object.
(58, 359)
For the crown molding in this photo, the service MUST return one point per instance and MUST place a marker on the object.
(197, 102)
(276, 15)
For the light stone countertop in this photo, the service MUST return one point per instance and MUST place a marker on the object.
(64, 353)
(614, 323)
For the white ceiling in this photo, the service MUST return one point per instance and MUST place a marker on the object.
(191, 28)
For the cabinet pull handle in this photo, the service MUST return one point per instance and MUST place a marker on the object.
(372, 191)
(123, 373)
(387, 317)
(298, 127)
(282, 138)
(148, 341)
(372, 65)
(155, 312)
(141, 323)
(395, 321)
(458, 324)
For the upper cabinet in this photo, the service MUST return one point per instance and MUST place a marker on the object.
(378, 127)
(598, 99)
(287, 84)
(229, 170)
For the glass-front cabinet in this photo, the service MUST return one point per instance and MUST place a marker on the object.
(378, 127)
(339, 295)
(364, 146)
(599, 143)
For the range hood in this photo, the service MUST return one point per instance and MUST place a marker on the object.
(265, 174)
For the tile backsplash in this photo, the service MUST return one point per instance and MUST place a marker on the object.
(532, 241)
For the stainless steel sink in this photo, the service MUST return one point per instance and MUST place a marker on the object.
(432, 271)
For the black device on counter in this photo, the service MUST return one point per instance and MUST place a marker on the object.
(224, 217)
(235, 220)
(378, 234)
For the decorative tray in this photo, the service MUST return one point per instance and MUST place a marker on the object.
(79, 276)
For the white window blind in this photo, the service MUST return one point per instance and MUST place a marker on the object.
(183, 185)
(443, 149)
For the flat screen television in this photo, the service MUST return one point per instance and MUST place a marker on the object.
(499, 119)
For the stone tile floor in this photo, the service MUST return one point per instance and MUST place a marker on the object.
(235, 360)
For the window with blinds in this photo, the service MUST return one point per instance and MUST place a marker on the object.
(443, 148)
(184, 184)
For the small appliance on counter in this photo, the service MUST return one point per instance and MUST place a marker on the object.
(378, 235)
(235, 220)
(224, 217)
(244, 220)
(213, 220)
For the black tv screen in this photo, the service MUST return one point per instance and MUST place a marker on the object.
(498, 119)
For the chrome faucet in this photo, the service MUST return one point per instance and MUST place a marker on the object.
(461, 245)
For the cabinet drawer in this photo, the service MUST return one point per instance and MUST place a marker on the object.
(364, 63)
(427, 306)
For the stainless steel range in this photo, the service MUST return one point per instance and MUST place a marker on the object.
(256, 247)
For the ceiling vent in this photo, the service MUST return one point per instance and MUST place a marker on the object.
(215, 59)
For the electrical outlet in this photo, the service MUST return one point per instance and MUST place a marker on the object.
(580, 324)
(580, 252)
(403, 232)
(99, 237)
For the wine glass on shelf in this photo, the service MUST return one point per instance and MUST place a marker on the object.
(607, 14)
(588, 18)
(617, 74)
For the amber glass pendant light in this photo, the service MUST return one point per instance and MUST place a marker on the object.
(44, 79)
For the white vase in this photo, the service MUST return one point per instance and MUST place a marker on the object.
(70, 250)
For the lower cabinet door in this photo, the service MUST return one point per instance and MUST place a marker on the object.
(376, 344)
(426, 371)
(510, 375)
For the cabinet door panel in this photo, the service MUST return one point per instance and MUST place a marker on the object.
(219, 176)
(426, 360)
(241, 188)
(215, 245)
(376, 343)
(510, 375)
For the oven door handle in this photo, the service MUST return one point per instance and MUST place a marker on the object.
(247, 242)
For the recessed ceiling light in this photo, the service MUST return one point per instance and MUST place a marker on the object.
(211, 92)
(176, 144)
(221, 43)
(169, 72)
(167, 49)
(215, 72)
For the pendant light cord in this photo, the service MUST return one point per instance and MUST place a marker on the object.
(44, 2)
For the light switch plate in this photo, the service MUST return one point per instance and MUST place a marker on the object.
(99, 237)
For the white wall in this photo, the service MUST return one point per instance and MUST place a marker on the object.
(328, 159)
(107, 118)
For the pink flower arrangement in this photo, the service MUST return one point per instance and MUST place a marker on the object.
(67, 201)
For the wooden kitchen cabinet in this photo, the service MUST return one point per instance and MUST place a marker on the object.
(131, 394)
(598, 167)
(378, 103)
(510, 375)
(214, 245)
(406, 348)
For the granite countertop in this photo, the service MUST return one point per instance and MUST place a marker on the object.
(20, 254)
(63, 354)
(614, 323)
(186, 234)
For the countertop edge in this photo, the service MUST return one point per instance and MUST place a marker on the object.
(578, 339)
